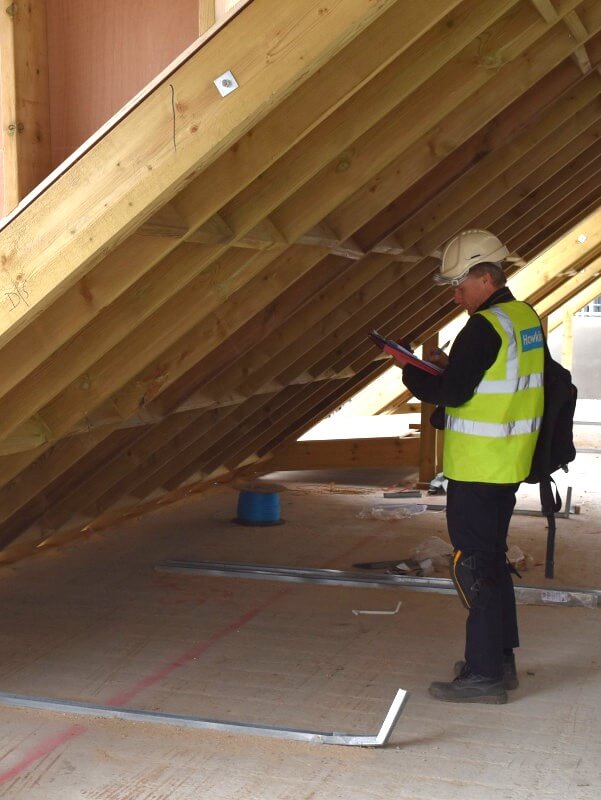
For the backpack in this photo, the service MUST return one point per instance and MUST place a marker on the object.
(555, 446)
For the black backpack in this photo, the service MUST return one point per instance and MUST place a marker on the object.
(555, 446)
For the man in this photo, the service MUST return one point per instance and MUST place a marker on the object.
(492, 391)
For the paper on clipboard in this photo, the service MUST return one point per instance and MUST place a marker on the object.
(402, 355)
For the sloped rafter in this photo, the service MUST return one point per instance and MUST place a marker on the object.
(497, 93)
(156, 251)
(578, 301)
(134, 177)
(298, 112)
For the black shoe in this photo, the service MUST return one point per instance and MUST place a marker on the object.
(510, 675)
(470, 688)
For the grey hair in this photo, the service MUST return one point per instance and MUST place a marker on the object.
(492, 268)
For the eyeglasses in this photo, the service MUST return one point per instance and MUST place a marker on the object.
(441, 280)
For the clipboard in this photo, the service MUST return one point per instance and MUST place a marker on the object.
(402, 355)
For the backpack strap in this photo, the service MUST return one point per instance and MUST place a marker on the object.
(550, 502)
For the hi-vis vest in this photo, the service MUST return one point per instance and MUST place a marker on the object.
(491, 438)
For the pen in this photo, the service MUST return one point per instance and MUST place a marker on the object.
(441, 350)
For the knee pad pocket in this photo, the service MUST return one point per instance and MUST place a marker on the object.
(470, 578)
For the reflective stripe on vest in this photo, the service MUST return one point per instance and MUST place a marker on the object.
(534, 381)
(496, 430)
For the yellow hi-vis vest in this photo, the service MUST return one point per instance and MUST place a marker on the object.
(491, 438)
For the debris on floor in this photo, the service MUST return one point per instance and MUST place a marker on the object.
(357, 611)
(390, 512)
(518, 559)
(436, 549)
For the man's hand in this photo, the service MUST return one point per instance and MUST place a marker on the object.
(438, 357)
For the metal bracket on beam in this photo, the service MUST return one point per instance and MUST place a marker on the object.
(133, 715)
(226, 83)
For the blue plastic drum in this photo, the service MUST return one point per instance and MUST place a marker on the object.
(259, 506)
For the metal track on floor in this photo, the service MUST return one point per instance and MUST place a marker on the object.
(529, 595)
(154, 717)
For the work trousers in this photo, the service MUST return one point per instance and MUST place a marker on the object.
(478, 516)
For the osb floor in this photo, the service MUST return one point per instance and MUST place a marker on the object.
(94, 622)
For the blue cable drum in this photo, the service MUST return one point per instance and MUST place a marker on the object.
(259, 504)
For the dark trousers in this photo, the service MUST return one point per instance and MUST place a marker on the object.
(478, 516)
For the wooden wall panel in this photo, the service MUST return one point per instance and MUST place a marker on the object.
(101, 54)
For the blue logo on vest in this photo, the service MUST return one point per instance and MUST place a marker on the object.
(532, 338)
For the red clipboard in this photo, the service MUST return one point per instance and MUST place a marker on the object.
(402, 355)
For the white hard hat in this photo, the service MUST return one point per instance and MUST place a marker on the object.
(466, 250)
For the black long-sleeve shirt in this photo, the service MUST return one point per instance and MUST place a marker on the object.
(475, 350)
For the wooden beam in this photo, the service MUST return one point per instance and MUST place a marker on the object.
(188, 455)
(580, 34)
(400, 404)
(554, 208)
(570, 250)
(211, 12)
(574, 281)
(63, 483)
(503, 169)
(189, 338)
(336, 139)
(404, 298)
(326, 399)
(572, 160)
(24, 92)
(207, 15)
(547, 10)
(235, 445)
(167, 221)
(372, 275)
(575, 26)
(427, 440)
(460, 161)
(136, 168)
(82, 496)
(208, 373)
(120, 270)
(206, 425)
(567, 346)
(344, 453)
(577, 302)
(69, 365)
(339, 78)
(368, 193)
(320, 96)
(554, 224)
(410, 25)
(465, 74)
(319, 339)
(581, 57)
(214, 231)
(36, 478)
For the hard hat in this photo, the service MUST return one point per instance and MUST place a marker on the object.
(466, 250)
